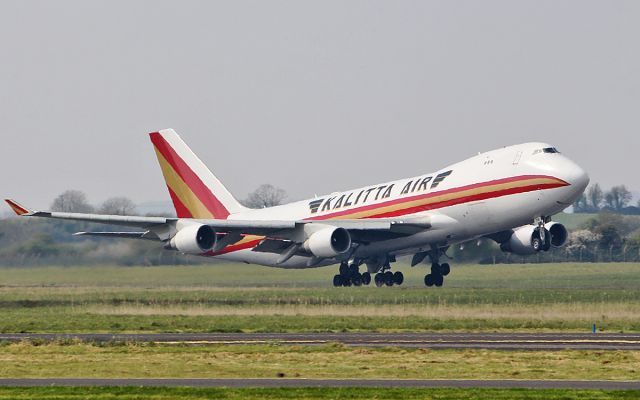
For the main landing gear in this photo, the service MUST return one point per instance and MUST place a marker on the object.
(438, 272)
(349, 274)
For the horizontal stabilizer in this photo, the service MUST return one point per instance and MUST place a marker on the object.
(17, 208)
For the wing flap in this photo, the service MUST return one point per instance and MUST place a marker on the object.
(126, 235)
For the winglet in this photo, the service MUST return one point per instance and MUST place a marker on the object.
(17, 208)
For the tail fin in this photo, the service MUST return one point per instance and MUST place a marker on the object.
(195, 191)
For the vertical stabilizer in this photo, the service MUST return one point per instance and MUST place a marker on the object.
(195, 191)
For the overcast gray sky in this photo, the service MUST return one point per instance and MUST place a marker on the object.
(309, 96)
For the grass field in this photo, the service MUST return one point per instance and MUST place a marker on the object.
(234, 298)
(327, 361)
(228, 298)
(135, 393)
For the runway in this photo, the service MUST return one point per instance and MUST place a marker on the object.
(293, 383)
(499, 341)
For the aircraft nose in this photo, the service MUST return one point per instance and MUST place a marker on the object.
(576, 177)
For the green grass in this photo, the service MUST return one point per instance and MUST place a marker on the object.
(35, 360)
(136, 393)
(235, 297)
(514, 276)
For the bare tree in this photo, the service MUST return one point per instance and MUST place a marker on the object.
(72, 201)
(117, 206)
(265, 196)
(594, 194)
(618, 197)
(581, 204)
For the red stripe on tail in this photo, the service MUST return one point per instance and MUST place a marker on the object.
(189, 177)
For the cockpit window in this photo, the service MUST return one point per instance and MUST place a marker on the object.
(545, 150)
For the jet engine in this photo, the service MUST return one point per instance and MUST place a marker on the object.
(193, 239)
(328, 242)
(526, 239)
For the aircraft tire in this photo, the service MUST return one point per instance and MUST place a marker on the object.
(337, 280)
(356, 279)
(388, 278)
(344, 268)
(536, 243)
(428, 280)
(435, 269)
(445, 268)
(366, 278)
(398, 278)
(438, 280)
(379, 279)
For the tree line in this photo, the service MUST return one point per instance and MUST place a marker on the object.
(36, 241)
(615, 200)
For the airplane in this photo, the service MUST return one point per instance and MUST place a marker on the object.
(507, 195)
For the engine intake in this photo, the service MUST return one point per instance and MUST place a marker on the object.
(559, 234)
(193, 239)
(328, 242)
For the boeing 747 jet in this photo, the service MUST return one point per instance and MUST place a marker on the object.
(507, 195)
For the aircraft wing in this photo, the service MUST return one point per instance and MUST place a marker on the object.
(232, 231)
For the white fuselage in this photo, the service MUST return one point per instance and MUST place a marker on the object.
(491, 192)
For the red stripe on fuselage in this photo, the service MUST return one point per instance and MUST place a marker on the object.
(440, 193)
(189, 177)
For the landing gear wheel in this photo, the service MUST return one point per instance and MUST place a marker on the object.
(536, 244)
(337, 280)
(547, 242)
(344, 268)
(445, 269)
(398, 278)
(353, 269)
(379, 278)
(438, 280)
(428, 280)
(356, 279)
(346, 282)
(366, 278)
(435, 269)
(388, 278)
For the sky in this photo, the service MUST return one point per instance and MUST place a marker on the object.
(313, 97)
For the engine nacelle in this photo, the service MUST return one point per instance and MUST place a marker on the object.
(558, 232)
(193, 239)
(328, 242)
(521, 241)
